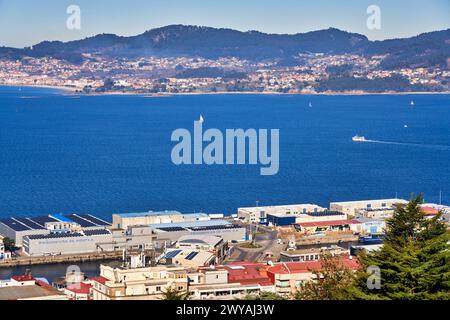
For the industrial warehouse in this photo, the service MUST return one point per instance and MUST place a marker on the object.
(83, 233)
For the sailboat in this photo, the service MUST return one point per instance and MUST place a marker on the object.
(412, 103)
(201, 120)
(310, 105)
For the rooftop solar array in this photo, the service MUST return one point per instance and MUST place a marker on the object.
(172, 229)
(219, 227)
(19, 224)
(191, 255)
(54, 236)
(172, 254)
(95, 220)
(82, 222)
(43, 220)
(29, 223)
(15, 225)
(325, 213)
(97, 232)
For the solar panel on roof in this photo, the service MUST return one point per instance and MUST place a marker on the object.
(15, 225)
(83, 223)
(95, 220)
(42, 220)
(97, 232)
(191, 255)
(172, 254)
(29, 223)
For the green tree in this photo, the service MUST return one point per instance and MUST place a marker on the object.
(414, 261)
(329, 283)
(9, 243)
(175, 294)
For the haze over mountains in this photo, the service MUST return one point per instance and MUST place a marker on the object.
(425, 50)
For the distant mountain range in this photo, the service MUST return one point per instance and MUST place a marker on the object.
(425, 50)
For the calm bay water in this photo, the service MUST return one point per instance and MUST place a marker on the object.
(109, 154)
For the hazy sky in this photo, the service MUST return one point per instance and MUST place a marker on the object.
(27, 22)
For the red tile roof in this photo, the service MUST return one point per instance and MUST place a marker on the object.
(429, 211)
(327, 223)
(245, 272)
(99, 279)
(81, 288)
(25, 277)
(307, 266)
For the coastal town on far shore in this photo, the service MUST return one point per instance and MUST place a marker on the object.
(142, 256)
(306, 73)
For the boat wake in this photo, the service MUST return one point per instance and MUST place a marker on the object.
(422, 145)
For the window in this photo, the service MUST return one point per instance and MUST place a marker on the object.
(384, 205)
(158, 289)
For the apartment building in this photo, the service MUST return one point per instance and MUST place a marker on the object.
(137, 281)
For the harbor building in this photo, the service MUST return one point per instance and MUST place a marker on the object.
(224, 229)
(89, 241)
(123, 220)
(188, 258)
(311, 254)
(327, 226)
(353, 208)
(287, 219)
(17, 228)
(260, 214)
(214, 244)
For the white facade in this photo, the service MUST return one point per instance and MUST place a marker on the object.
(352, 207)
(259, 214)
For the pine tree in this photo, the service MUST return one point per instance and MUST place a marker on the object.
(414, 261)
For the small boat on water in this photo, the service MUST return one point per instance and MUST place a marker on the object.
(412, 103)
(359, 139)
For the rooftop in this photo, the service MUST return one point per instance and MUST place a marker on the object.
(307, 266)
(148, 214)
(395, 200)
(200, 239)
(35, 291)
(327, 223)
(206, 223)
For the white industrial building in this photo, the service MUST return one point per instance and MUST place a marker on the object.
(16, 228)
(259, 214)
(353, 208)
(221, 228)
(123, 220)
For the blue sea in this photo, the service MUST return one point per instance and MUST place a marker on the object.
(109, 154)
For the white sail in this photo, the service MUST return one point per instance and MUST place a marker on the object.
(201, 119)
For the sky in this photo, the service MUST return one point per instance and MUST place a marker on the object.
(27, 22)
